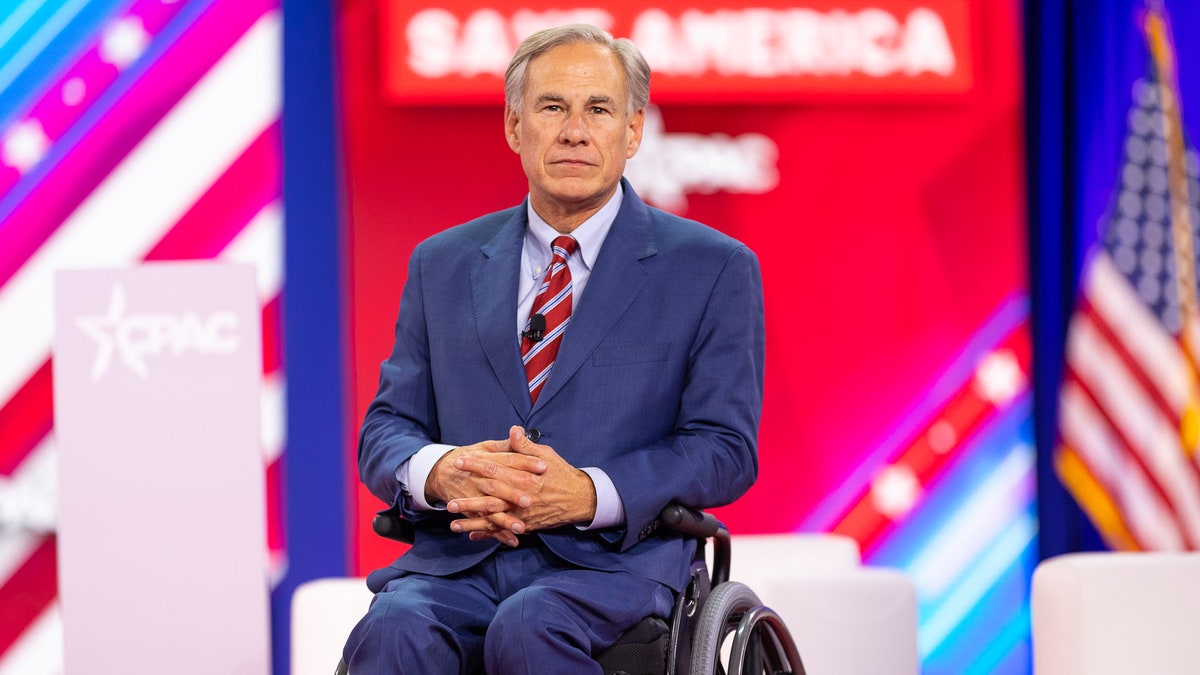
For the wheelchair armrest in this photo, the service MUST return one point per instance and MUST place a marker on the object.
(690, 521)
(677, 517)
(703, 526)
(390, 525)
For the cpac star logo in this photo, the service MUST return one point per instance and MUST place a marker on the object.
(134, 339)
(668, 166)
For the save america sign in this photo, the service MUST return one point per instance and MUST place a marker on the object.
(703, 52)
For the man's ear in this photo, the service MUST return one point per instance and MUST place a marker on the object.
(511, 122)
(636, 122)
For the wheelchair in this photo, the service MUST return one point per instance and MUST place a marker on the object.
(717, 627)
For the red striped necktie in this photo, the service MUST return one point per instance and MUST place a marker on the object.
(553, 305)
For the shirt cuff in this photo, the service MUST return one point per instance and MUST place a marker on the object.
(610, 511)
(416, 471)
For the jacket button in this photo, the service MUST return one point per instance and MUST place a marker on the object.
(534, 434)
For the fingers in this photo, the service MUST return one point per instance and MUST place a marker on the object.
(504, 537)
(508, 466)
(496, 483)
(507, 538)
(488, 516)
(500, 526)
(478, 506)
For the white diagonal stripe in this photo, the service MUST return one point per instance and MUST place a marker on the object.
(273, 416)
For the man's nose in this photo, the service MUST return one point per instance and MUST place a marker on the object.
(574, 130)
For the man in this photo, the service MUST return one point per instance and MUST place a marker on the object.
(534, 487)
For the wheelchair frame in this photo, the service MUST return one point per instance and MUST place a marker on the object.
(712, 615)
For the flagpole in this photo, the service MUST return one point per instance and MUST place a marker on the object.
(1162, 52)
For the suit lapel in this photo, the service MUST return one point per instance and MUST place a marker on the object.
(611, 288)
(494, 298)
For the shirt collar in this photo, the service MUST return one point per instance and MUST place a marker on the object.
(590, 234)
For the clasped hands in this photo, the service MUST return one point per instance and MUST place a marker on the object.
(510, 487)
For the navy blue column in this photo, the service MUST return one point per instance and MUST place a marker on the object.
(314, 328)
(1052, 137)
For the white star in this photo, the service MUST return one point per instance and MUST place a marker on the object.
(895, 490)
(25, 145)
(123, 42)
(103, 330)
(999, 378)
(73, 91)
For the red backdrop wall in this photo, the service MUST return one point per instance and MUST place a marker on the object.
(894, 232)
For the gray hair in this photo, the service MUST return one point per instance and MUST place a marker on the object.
(637, 71)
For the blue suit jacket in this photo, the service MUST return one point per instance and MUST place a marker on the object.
(658, 380)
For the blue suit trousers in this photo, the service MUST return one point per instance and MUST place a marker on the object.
(519, 611)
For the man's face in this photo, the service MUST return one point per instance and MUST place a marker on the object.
(572, 131)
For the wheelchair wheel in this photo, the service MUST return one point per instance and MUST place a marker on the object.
(760, 642)
(722, 612)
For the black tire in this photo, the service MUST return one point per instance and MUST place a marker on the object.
(722, 612)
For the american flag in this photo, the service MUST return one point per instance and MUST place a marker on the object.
(130, 130)
(1128, 401)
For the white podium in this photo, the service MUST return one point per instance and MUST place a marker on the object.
(162, 550)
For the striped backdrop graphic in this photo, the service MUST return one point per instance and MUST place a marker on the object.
(950, 500)
(129, 131)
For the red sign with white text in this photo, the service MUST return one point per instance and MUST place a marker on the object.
(700, 51)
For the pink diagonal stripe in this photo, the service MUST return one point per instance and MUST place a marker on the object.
(25, 419)
(27, 593)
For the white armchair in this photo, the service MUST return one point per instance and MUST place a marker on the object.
(846, 619)
(324, 611)
(1101, 613)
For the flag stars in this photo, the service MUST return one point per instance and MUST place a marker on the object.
(24, 145)
(1134, 177)
(999, 378)
(1156, 180)
(895, 491)
(1145, 93)
(123, 42)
